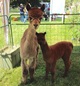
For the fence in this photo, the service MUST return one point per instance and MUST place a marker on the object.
(9, 56)
(58, 30)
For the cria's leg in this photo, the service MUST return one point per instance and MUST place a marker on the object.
(53, 71)
(47, 70)
(24, 72)
(52, 79)
(67, 63)
(32, 69)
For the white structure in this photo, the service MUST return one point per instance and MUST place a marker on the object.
(57, 7)
(4, 6)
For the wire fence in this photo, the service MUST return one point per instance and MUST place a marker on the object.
(57, 30)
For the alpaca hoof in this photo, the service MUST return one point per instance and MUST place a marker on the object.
(22, 83)
(31, 80)
(45, 77)
(52, 81)
(65, 75)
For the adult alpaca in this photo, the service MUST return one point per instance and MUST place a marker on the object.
(29, 45)
(54, 52)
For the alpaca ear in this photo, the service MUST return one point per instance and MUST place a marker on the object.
(44, 33)
(28, 7)
(42, 7)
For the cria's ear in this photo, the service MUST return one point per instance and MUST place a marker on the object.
(42, 7)
(28, 7)
(44, 33)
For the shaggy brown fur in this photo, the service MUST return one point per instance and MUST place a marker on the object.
(29, 44)
(54, 52)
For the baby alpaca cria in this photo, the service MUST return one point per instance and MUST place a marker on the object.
(54, 52)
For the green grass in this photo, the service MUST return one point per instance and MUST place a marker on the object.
(12, 77)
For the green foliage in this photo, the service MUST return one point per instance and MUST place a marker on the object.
(75, 19)
(8, 77)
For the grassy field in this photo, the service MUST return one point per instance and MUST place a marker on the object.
(12, 77)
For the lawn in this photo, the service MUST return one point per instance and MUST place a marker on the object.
(12, 77)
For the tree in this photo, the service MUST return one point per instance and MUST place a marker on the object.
(34, 3)
(18, 2)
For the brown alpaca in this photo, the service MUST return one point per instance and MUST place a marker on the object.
(54, 52)
(29, 44)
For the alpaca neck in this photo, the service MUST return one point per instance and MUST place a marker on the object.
(45, 50)
(31, 37)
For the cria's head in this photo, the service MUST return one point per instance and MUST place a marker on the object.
(41, 38)
(35, 15)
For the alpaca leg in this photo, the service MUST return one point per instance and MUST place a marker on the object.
(67, 66)
(53, 72)
(32, 69)
(53, 77)
(24, 72)
(37, 56)
(47, 70)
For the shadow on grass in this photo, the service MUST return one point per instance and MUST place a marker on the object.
(39, 81)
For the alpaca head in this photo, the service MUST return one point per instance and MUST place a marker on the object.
(35, 15)
(41, 38)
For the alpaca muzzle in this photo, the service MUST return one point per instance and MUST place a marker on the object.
(35, 25)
